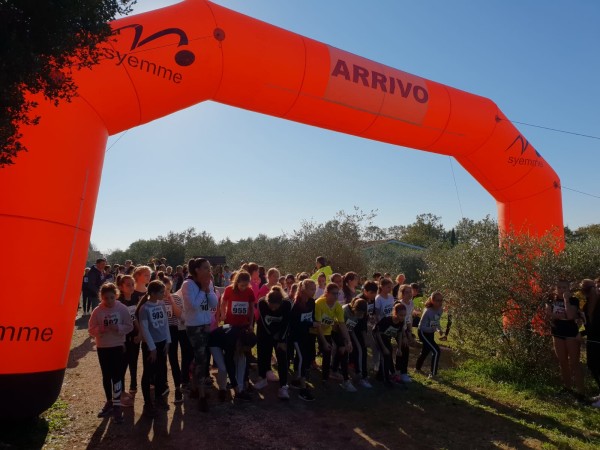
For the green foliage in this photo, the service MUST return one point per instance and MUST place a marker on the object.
(41, 44)
(485, 283)
(395, 259)
(426, 230)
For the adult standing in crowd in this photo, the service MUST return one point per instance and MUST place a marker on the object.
(322, 267)
(95, 282)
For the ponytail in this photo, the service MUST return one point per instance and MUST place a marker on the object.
(154, 287)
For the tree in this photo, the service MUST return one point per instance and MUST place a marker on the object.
(426, 230)
(93, 254)
(41, 44)
(484, 230)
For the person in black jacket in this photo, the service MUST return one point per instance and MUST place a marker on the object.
(591, 310)
(95, 281)
(272, 333)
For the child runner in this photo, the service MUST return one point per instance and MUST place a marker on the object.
(563, 310)
(405, 297)
(187, 352)
(152, 316)
(302, 319)
(237, 307)
(125, 284)
(430, 323)
(355, 316)
(141, 277)
(387, 328)
(328, 312)
(198, 299)
(384, 303)
(109, 324)
(339, 281)
(350, 281)
(272, 333)
(174, 311)
(321, 284)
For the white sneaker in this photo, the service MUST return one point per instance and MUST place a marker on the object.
(365, 383)
(348, 386)
(271, 376)
(260, 384)
(406, 378)
(596, 404)
(283, 393)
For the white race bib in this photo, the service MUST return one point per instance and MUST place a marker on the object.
(387, 311)
(157, 316)
(110, 319)
(131, 310)
(239, 308)
(169, 309)
(391, 331)
(350, 324)
(306, 317)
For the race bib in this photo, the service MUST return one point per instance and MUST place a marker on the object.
(110, 319)
(270, 319)
(387, 311)
(370, 308)
(239, 308)
(326, 320)
(559, 309)
(169, 309)
(391, 331)
(306, 317)
(350, 324)
(131, 310)
(157, 317)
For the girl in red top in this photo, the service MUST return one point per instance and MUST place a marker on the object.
(237, 304)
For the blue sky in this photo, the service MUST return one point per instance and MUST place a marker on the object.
(249, 173)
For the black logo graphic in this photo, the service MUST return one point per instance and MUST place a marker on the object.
(182, 57)
(522, 144)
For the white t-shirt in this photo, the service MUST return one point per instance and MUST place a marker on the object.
(384, 306)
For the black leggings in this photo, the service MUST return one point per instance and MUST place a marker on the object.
(359, 353)
(302, 360)
(264, 347)
(386, 367)
(132, 354)
(593, 358)
(325, 367)
(174, 356)
(339, 358)
(429, 345)
(154, 372)
(402, 360)
(112, 360)
(198, 337)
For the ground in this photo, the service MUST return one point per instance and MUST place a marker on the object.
(460, 410)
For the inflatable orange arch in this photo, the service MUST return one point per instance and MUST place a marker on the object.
(169, 59)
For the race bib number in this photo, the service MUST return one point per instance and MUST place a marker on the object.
(239, 308)
(371, 308)
(351, 324)
(387, 311)
(131, 310)
(169, 309)
(306, 317)
(157, 317)
(326, 320)
(110, 319)
(391, 331)
(559, 309)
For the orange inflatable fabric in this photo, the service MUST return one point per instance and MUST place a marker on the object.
(166, 60)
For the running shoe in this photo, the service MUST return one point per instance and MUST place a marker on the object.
(244, 396)
(118, 415)
(271, 376)
(420, 372)
(431, 376)
(260, 384)
(348, 386)
(306, 395)
(283, 393)
(406, 378)
(127, 402)
(365, 383)
(106, 410)
(178, 396)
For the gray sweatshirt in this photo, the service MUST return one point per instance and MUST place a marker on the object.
(154, 324)
(430, 322)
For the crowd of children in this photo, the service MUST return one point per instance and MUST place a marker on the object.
(290, 320)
